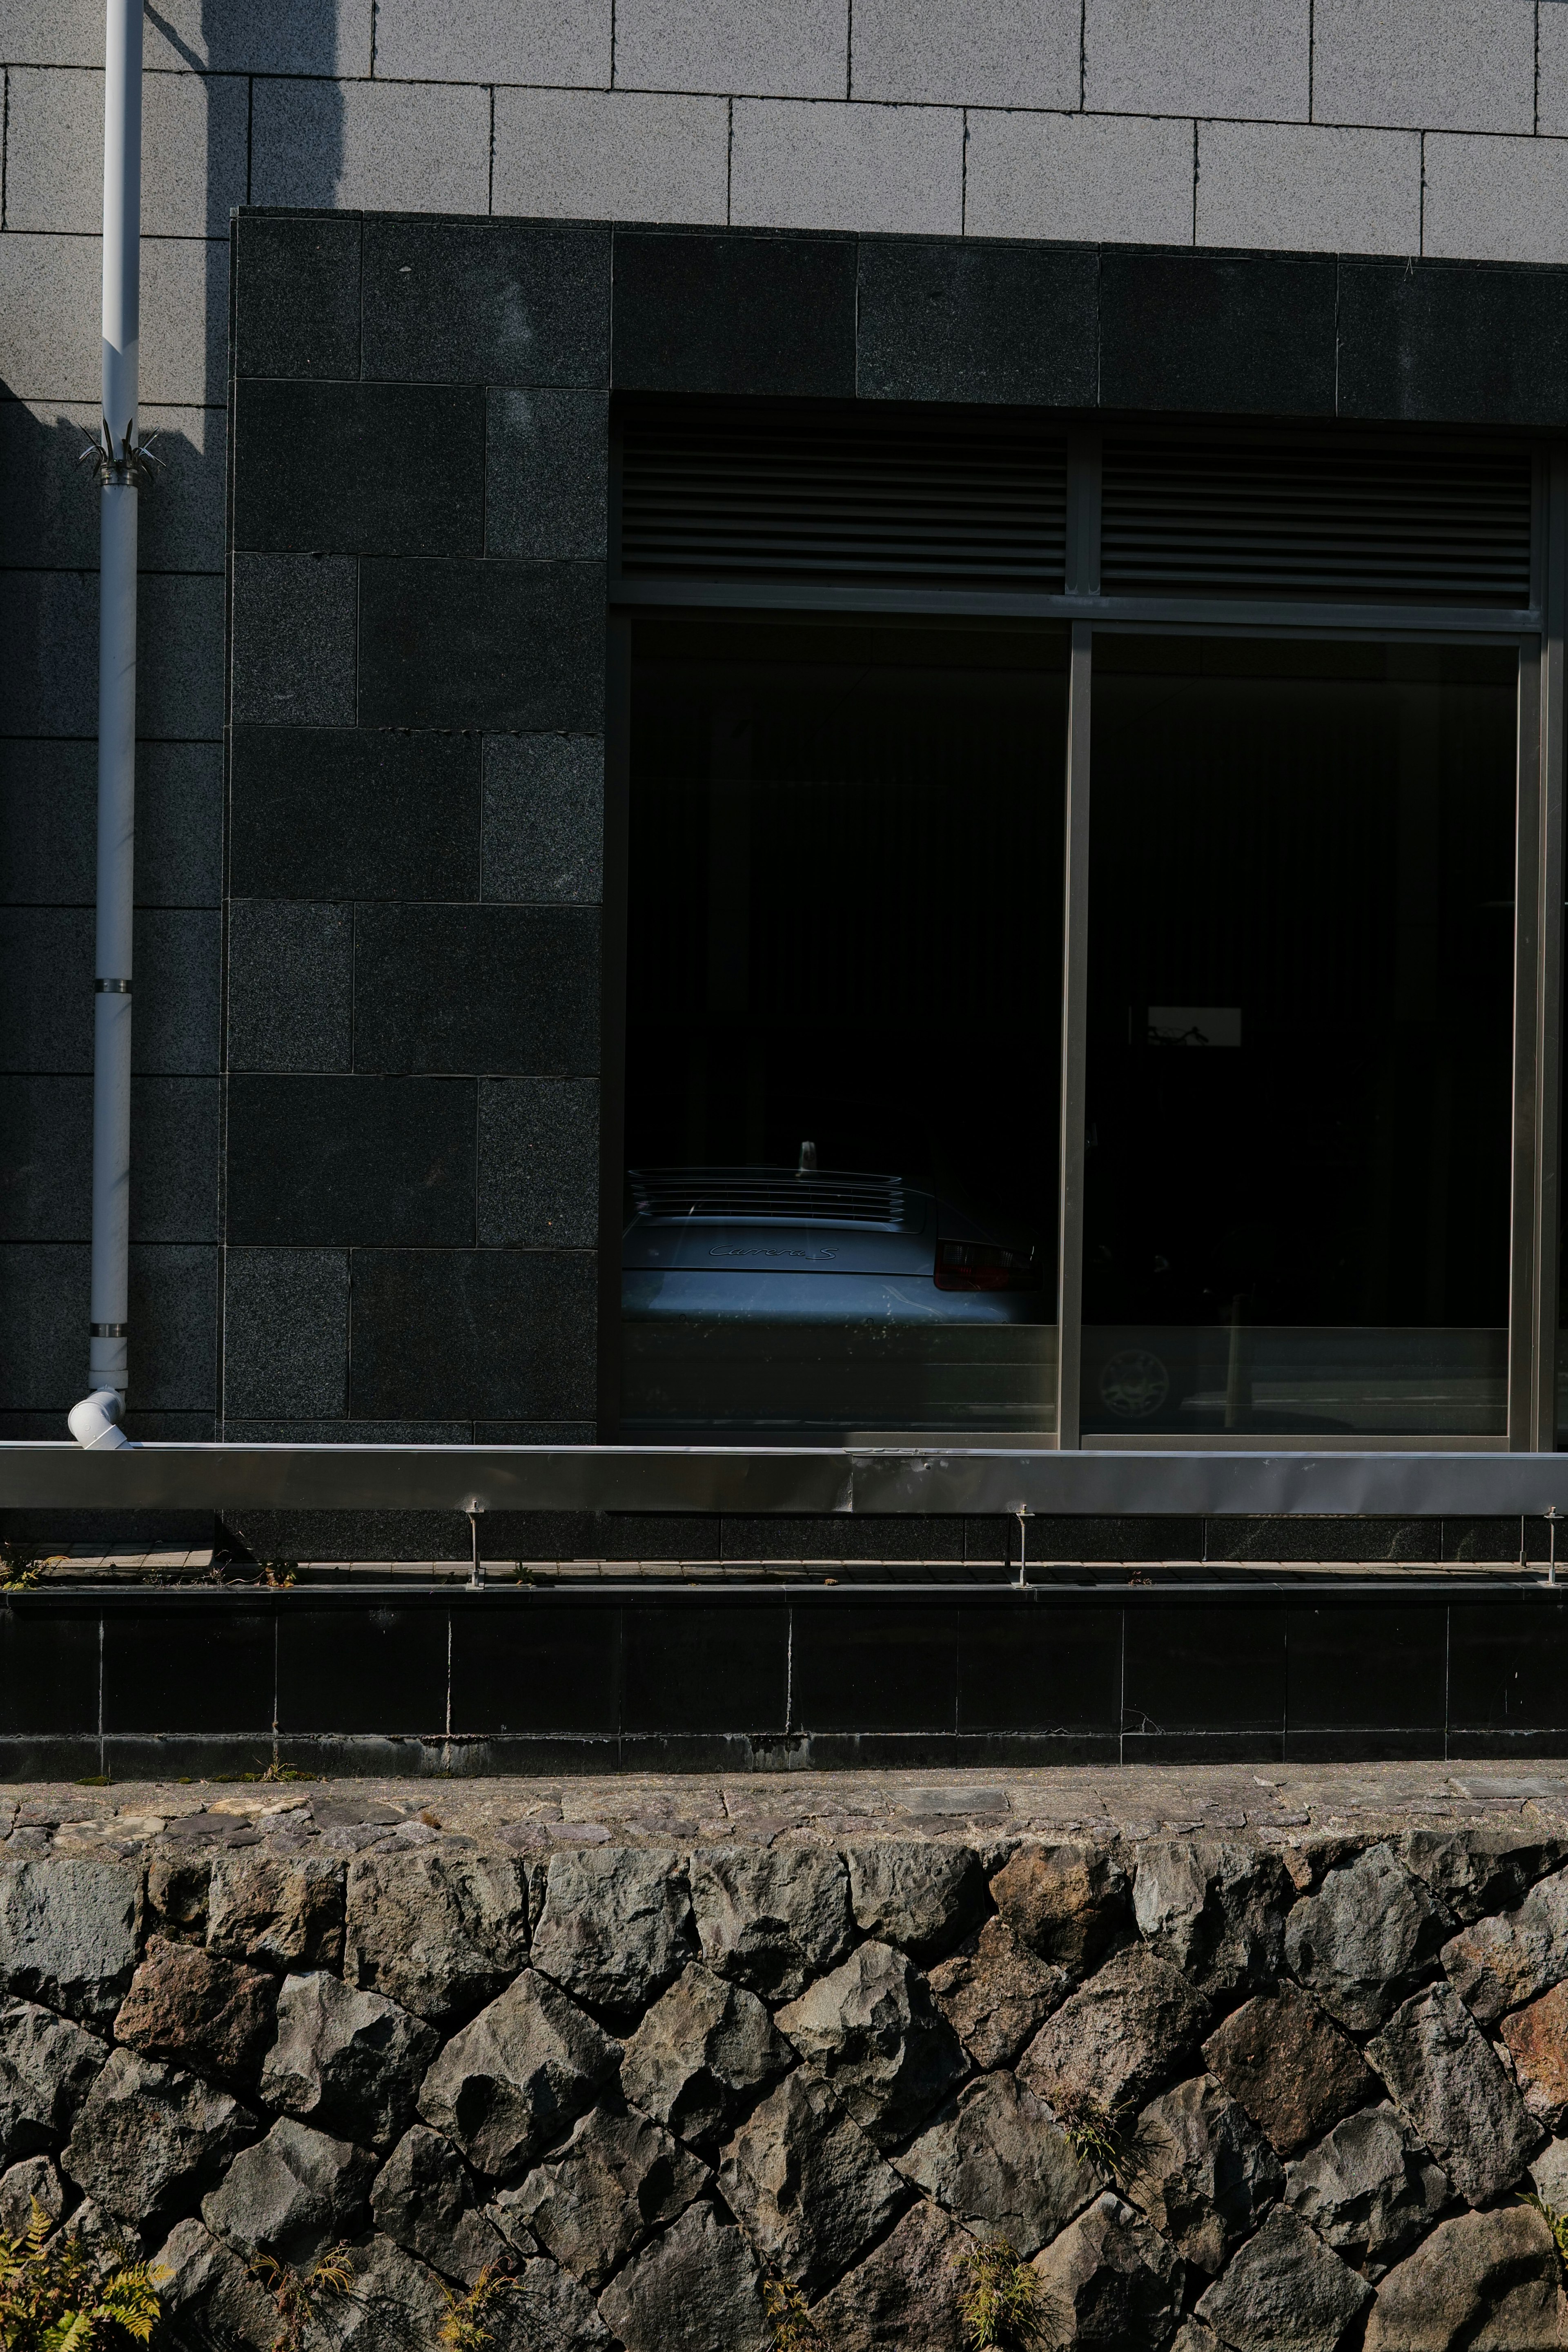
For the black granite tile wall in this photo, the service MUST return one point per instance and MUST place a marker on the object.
(497, 645)
(893, 1668)
(1245, 334)
(509, 989)
(747, 312)
(319, 1161)
(465, 301)
(361, 469)
(473, 1333)
(353, 812)
(1452, 341)
(297, 295)
(964, 319)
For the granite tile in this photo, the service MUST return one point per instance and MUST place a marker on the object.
(288, 37)
(46, 989)
(1106, 178)
(384, 1162)
(546, 473)
(44, 1294)
(48, 798)
(1305, 189)
(174, 1139)
(175, 1028)
(732, 44)
(509, 991)
(291, 985)
(297, 296)
(1433, 65)
(285, 1331)
(977, 322)
(734, 313)
(179, 823)
(1452, 342)
(498, 644)
(46, 1158)
(295, 625)
(1494, 199)
(360, 468)
(539, 1163)
(353, 812)
(965, 53)
(611, 155)
(371, 146)
(486, 302)
(1220, 332)
(501, 1332)
(495, 41)
(48, 516)
(179, 671)
(795, 164)
(544, 819)
(1247, 58)
(193, 152)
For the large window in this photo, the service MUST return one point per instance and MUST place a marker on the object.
(1094, 897)
(844, 1018)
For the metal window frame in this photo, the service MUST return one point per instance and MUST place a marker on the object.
(1537, 633)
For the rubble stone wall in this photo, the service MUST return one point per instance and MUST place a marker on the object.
(1217, 2090)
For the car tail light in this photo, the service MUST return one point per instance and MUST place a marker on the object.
(984, 1265)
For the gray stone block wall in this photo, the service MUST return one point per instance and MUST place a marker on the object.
(1387, 127)
(1200, 2083)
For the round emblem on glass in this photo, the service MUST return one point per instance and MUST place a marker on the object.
(1134, 1384)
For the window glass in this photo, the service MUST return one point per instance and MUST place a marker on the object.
(1300, 1038)
(843, 1017)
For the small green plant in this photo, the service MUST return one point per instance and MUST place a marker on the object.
(54, 2296)
(1555, 2222)
(297, 2296)
(468, 2325)
(793, 2328)
(1093, 2134)
(1002, 2301)
(94, 1780)
(21, 1568)
(278, 1574)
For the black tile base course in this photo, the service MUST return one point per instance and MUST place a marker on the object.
(152, 1683)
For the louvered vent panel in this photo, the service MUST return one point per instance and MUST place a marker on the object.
(876, 496)
(1368, 519)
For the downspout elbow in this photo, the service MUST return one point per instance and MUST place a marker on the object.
(95, 1421)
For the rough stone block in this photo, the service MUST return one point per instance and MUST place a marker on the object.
(1309, 190)
(511, 2082)
(1370, 1934)
(395, 2304)
(806, 2185)
(1497, 1964)
(1433, 65)
(702, 2051)
(68, 1936)
(291, 986)
(193, 152)
(284, 1911)
(23, 2187)
(998, 2159)
(1447, 2084)
(595, 2200)
(920, 1896)
(1476, 1870)
(546, 472)
(1109, 2279)
(1369, 2189)
(539, 1163)
(293, 2194)
(1067, 1904)
(1093, 178)
(770, 1921)
(295, 626)
(996, 1994)
(698, 2286)
(440, 1933)
(1213, 1909)
(424, 2201)
(198, 2009)
(1199, 57)
(349, 2063)
(965, 53)
(1481, 2278)
(209, 2297)
(1293, 2072)
(286, 1332)
(611, 155)
(47, 2065)
(150, 2138)
(1537, 2041)
(907, 2294)
(1495, 199)
(1285, 2283)
(617, 1925)
(1117, 2039)
(872, 2029)
(565, 44)
(371, 146)
(1202, 2171)
(888, 168)
(732, 45)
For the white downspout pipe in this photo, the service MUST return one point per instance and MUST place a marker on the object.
(120, 472)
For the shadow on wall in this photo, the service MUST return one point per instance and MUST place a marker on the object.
(211, 66)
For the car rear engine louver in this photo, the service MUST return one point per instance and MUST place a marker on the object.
(1362, 518)
(870, 495)
(774, 1193)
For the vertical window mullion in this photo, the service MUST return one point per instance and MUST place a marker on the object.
(1551, 527)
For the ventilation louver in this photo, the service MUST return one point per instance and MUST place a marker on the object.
(744, 1196)
(874, 495)
(1362, 518)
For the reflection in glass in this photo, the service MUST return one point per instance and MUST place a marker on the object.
(1300, 1019)
(844, 987)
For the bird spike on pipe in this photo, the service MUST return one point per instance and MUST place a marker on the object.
(132, 465)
